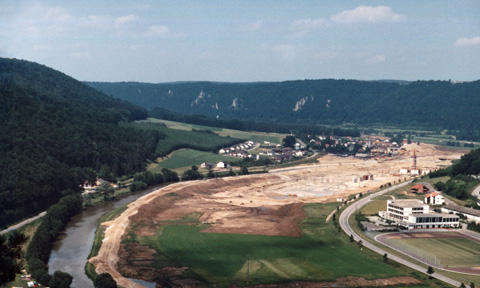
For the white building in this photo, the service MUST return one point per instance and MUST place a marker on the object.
(413, 214)
(471, 215)
(434, 198)
(223, 164)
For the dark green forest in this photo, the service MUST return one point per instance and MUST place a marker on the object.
(422, 104)
(56, 132)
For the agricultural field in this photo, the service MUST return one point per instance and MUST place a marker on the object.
(249, 135)
(183, 159)
(224, 259)
(448, 250)
(176, 139)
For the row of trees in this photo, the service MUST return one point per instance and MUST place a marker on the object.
(249, 125)
(147, 179)
(38, 251)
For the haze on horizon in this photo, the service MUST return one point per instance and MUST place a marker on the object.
(244, 41)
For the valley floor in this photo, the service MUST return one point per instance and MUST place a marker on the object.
(262, 204)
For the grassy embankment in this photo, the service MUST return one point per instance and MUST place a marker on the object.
(321, 254)
(97, 242)
(425, 245)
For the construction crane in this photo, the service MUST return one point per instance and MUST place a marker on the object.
(414, 160)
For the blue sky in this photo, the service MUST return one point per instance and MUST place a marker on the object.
(243, 41)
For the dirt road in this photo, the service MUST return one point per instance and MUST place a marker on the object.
(267, 204)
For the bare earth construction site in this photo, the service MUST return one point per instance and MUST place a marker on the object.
(262, 204)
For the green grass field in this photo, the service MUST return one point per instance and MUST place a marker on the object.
(374, 206)
(176, 139)
(321, 254)
(451, 252)
(183, 159)
(249, 135)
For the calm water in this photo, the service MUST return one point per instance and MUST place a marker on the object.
(71, 250)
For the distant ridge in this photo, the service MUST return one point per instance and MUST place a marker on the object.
(432, 104)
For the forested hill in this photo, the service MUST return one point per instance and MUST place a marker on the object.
(56, 132)
(433, 104)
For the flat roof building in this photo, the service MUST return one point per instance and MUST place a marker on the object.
(413, 214)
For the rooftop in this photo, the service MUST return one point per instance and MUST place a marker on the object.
(405, 203)
(433, 215)
(463, 210)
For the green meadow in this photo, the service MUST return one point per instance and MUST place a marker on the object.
(248, 135)
(321, 254)
(183, 159)
(451, 252)
(176, 139)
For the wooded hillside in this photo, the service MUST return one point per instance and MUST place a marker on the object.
(432, 104)
(56, 132)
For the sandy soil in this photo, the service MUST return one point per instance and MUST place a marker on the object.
(266, 204)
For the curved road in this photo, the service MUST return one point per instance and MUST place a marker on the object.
(476, 193)
(348, 229)
(23, 223)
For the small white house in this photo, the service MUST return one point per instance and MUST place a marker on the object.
(223, 164)
(207, 165)
(434, 198)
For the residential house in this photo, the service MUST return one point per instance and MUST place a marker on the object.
(223, 164)
(207, 165)
(419, 188)
(434, 198)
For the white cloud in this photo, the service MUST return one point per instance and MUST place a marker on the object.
(302, 27)
(143, 6)
(253, 27)
(368, 14)
(80, 54)
(287, 51)
(40, 20)
(158, 31)
(463, 42)
(161, 31)
(308, 24)
(376, 59)
(125, 19)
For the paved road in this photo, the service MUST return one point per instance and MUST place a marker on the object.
(14, 227)
(476, 193)
(346, 227)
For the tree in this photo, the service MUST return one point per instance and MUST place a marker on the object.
(244, 171)
(60, 280)
(106, 189)
(462, 285)
(430, 271)
(210, 174)
(289, 141)
(472, 285)
(10, 256)
(104, 280)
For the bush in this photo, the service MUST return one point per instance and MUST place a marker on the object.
(60, 280)
(104, 280)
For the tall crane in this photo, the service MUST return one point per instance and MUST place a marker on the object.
(414, 160)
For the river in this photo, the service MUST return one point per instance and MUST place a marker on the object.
(73, 245)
